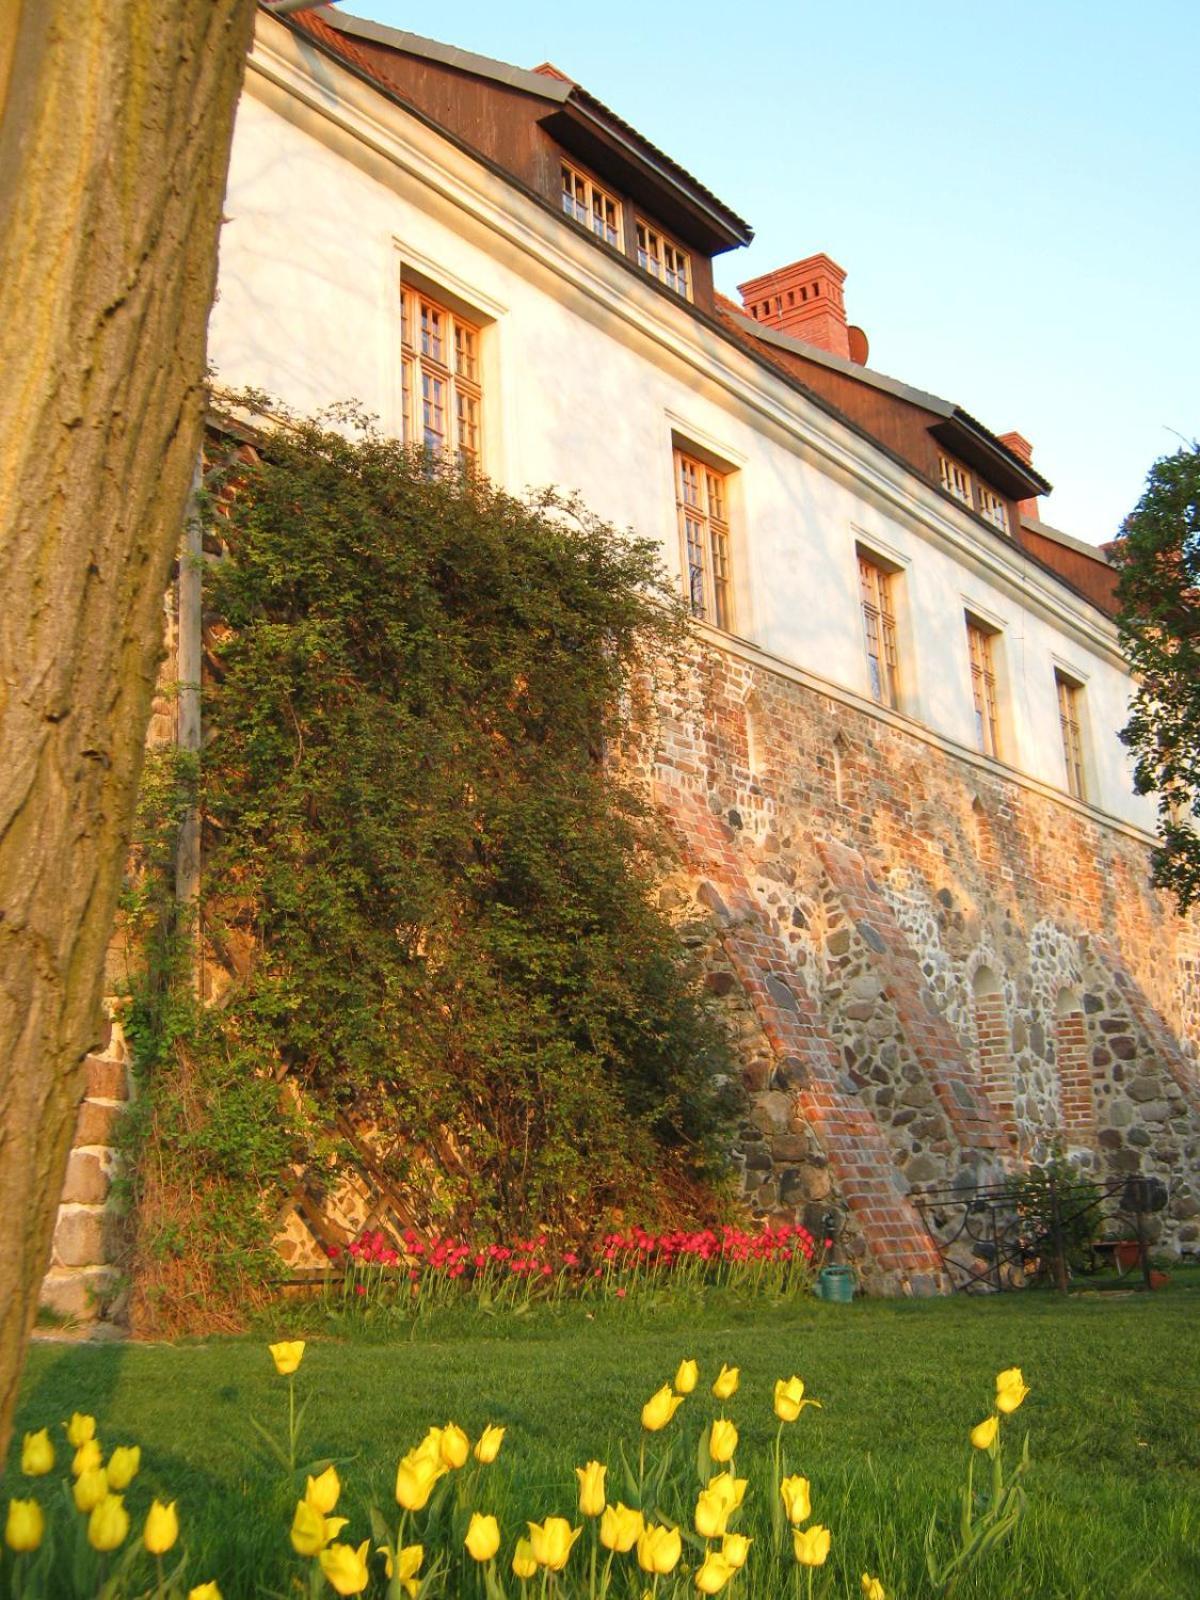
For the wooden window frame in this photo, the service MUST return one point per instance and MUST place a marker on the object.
(993, 508)
(702, 510)
(1069, 692)
(663, 259)
(956, 480)
(606, 222)
(877, 603)
(440, 373)
(981, 654)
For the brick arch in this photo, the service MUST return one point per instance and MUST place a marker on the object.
(1076, 1098)
(993, 1047)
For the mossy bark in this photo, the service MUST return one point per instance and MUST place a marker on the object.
(115, 130)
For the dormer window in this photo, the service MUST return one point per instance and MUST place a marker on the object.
(992, 509)
(663, 260)
(586, 202)
(956, 480)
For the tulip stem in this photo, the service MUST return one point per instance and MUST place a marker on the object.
(158, 1564)
(292, 1420)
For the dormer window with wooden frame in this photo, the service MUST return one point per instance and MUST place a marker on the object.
(663, 260)
(586, 202)
(702, 505)
(956, 480)
(992, 509)
(441, 394)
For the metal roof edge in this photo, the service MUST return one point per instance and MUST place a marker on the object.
(1068, 540)
(851, 369)
(947, 409)
(540, 84)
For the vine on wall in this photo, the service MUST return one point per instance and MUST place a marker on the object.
(429, 900)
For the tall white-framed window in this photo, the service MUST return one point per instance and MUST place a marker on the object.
(586, 202)
(877, 598)
(663, 260)
(1070, 723)
(981, 649)
(441, 394)
(702, 507)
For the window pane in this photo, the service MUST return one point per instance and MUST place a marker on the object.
(431, 331)
(433, 406)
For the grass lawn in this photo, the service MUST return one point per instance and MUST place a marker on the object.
(1112, 1417)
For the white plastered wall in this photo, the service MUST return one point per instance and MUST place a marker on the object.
(590, 372)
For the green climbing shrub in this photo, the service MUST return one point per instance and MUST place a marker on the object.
(430, 887)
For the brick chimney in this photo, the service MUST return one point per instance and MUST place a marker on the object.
(1020, 446)
(804, 300)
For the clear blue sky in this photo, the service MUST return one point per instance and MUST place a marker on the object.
(1013, 190)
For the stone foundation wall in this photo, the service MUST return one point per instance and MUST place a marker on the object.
(82, 1285)
(983, 968)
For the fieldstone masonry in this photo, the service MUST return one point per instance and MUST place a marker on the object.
(932, 970)
(935, 971)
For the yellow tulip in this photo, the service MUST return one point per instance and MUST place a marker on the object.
(983, 1434)
(712, 1513)
(287, 1355)
(87, 1458)
(789, 1398)
(415, 1478)
(108, 1523)
(620, 1528)
(429, 1449)
(24, 1526)
(162, 1528)
(80, 1428)
(726, 1382)
(687, 1377)
(308, 1532)
(523, 1564)
(732, 1490)
(483, 1537)
(722, 1440)
(123, 1465)
(345, 1568)
(796, 1500)
(591, 1488)
(90, 1489)
(488, 1447)
(322, 1492)
(551, 1542)
(714, 1574)
(872, 1588)
(454, 1447)
(660, 1408)
(405, 1567)
(811, 1545)
(659, 1549)
(735, 1547)
(37, 1454)
(205, 1591)
(1011, 1389)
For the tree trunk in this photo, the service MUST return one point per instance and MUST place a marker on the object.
(115, 128)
